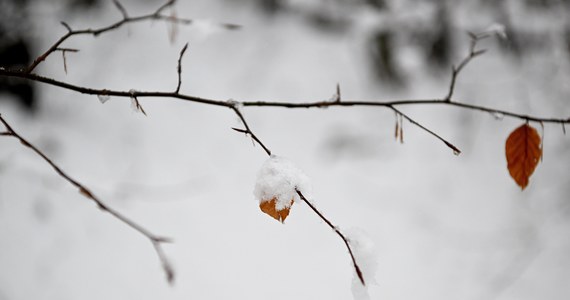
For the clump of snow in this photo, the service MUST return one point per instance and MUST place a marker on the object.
(498, 29)
(365, 255)
(277, 179)
(103, 98)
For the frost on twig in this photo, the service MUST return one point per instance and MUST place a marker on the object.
(135, 104)
(365, 253)
(103, 98)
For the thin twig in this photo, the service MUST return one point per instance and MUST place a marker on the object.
(157, 15)
(166, 5)
(475, 38)
(121, 9)
(247, 130)
(456, 150)
(135, 104)
(66, 26)
(63, 51)
(179, 70)
(344, 239)
(156, 240)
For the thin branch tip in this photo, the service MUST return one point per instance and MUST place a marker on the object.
(121, 9)
(66, 26)
(337, 231)
(83, 190)
(179, 69)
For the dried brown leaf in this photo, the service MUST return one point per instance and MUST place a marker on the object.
(523, 150)
(269, 208)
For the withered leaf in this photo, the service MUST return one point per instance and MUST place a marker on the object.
(269, 208)
(523, 150)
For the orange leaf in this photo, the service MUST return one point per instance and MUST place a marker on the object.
(523, 150)
(269, 208)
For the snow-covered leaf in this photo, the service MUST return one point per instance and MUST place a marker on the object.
(275, 186)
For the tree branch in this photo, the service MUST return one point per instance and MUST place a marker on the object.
(391, 104)
(456, 151)
(157, 15)
(344, 239)
(475, 38)
(156, 240)
(247, 130)
(179, 70)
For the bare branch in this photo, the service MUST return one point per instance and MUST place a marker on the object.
(121, 9)
(475, 38)
(179, 70)
(166, 5)
(135, 104)
(293, 104)
(154, 239)
(66, 26)
(157, 15)
(337, 97)
(166, 266)
(63, 51)
(456, 150)
(247, 130)
(344, 239)
(289, 104)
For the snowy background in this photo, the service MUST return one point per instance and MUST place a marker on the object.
(443, 226)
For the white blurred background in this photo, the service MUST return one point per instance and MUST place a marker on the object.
(444, 226)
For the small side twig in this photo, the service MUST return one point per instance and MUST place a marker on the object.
(135, 104)
(63, 51)
(66, 26)
(156, 15)
(121, 9)
(179, 70)
(456, 150)
(247, 130)
(166, 5)
(475, 38)
(156, 240)
(344, 239)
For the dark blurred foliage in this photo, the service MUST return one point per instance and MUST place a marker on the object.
(16, 55)
(435, 41)
(17, 49)
(382, 57)
(439, 45)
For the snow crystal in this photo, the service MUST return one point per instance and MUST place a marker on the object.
(278, 178)
(234, 103)
(365, 255)
(103, 98)
(498, 29)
